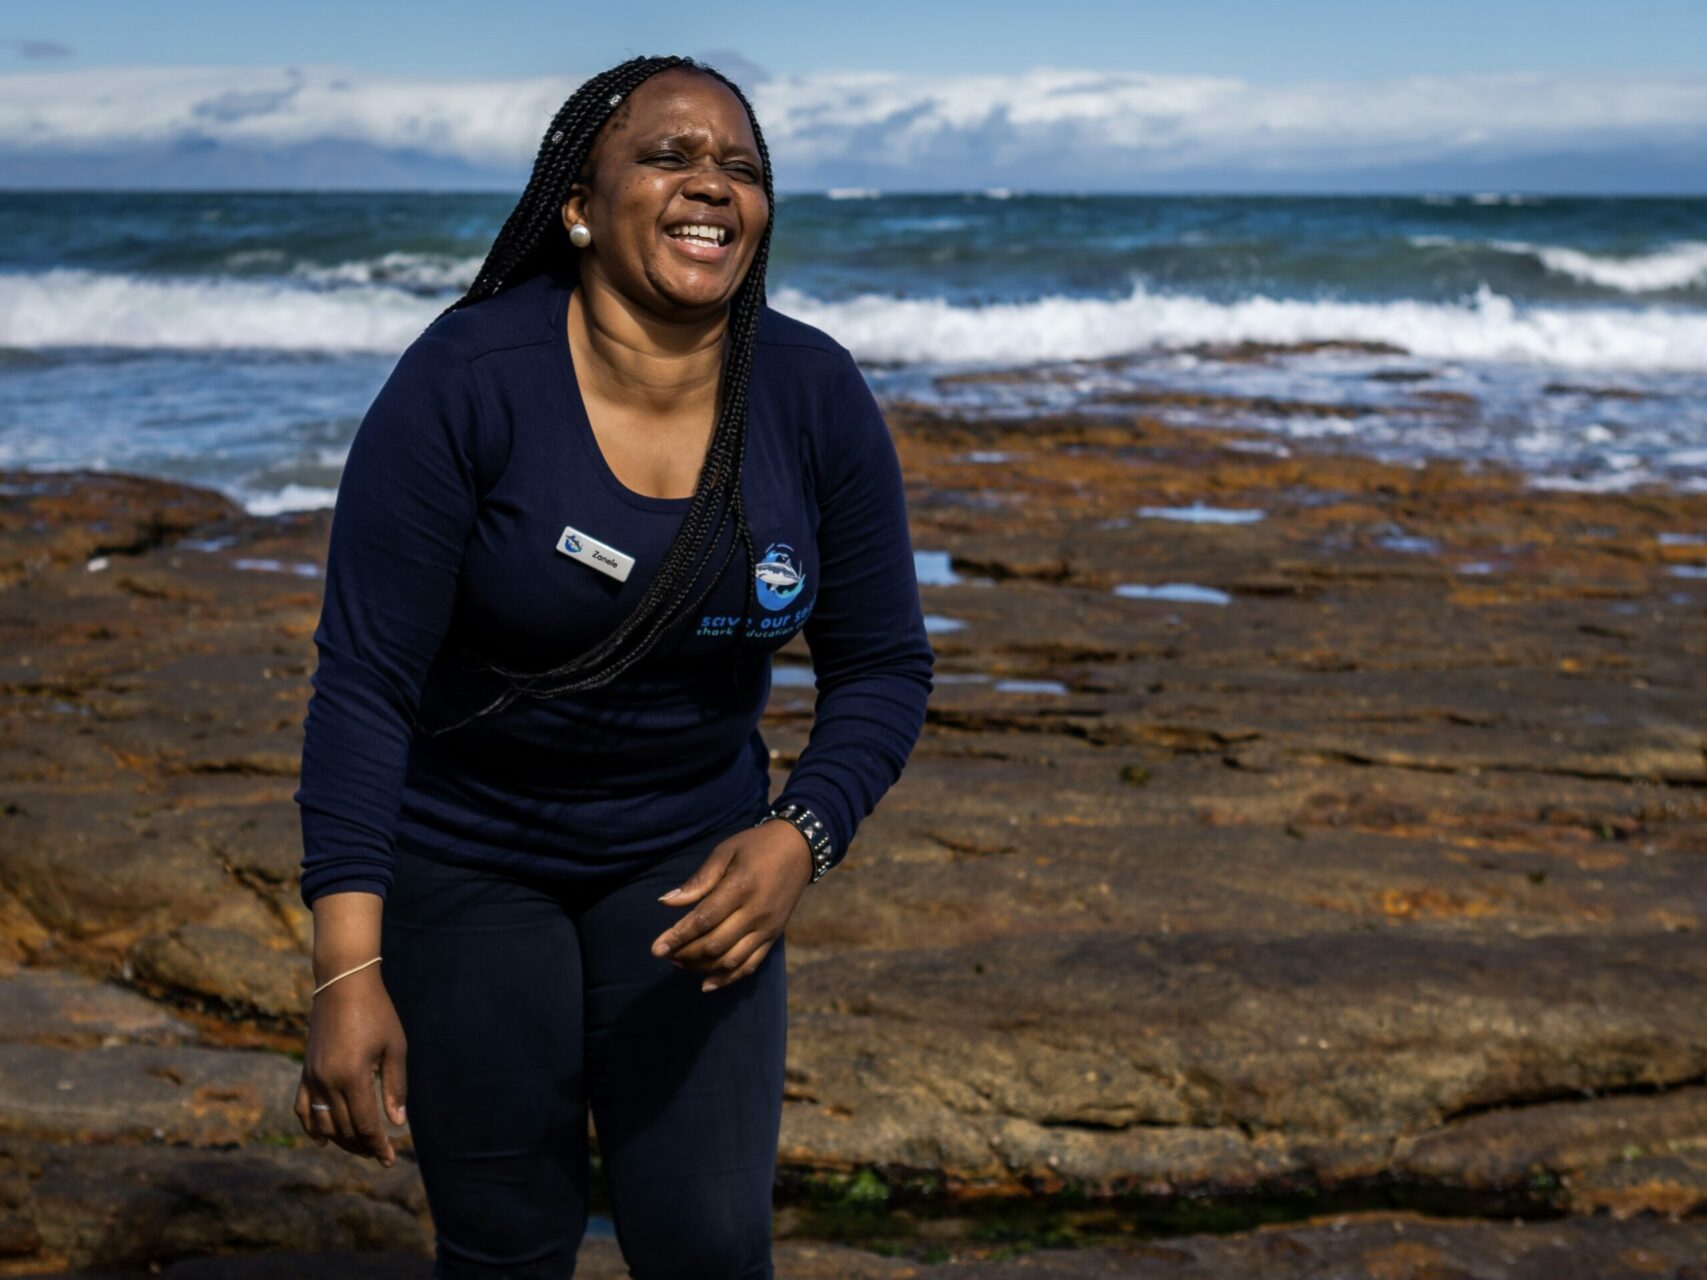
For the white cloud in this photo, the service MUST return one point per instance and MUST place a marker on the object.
(885, 125)
(480, 120)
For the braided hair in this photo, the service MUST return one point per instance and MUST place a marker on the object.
(528, 246)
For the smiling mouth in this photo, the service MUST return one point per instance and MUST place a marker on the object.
(701, 242)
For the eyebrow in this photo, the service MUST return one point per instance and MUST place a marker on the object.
(694, 135)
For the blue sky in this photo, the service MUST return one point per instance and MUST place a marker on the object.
(1080, 94)
(1258, 41)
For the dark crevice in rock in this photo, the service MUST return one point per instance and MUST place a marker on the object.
(152, 533)
(1162, 1209)
(263, 891)
(963, 848)
(1546, 1097)
(49, 688)
(1042, 720)
(1320, 756)
(242, 768)
(233, 1014)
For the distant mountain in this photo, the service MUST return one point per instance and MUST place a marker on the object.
(1049, 129)
(201, 163)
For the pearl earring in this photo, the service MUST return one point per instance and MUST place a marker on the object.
(580, 235)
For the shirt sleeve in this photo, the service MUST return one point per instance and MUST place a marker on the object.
(871, 658)
(405, 507)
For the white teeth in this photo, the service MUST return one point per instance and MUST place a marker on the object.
(701, 232)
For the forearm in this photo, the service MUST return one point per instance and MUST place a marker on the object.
(862, 734)
(346, 931)
(871, 657)
(407, 501)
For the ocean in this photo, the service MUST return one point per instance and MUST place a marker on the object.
(235, 339)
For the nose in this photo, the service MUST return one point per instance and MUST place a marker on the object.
(707, 178)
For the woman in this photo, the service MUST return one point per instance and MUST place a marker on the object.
(532, 779)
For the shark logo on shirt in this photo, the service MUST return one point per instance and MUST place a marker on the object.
(777, 578)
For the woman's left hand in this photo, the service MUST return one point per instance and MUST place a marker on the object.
(746, 889)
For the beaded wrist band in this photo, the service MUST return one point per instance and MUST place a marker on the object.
(806, 822)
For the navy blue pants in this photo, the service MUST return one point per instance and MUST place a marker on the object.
(524, 1003)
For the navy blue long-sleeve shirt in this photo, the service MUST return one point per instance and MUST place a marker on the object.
(474, 457)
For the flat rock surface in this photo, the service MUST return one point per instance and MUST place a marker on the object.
(1339, 874)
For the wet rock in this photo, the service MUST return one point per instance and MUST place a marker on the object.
(53, 1006)
(133, 1093)
(1382, 877)
(228, 964)
(117, 1209)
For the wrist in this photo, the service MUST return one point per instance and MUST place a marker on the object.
(810, 829)
(347, 976)
(789, 834)
(330, 963)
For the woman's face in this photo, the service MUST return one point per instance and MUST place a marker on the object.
(678, 150)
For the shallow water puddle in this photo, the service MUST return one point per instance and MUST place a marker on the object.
(1198, 513)
(1030, 686)
(1187, 591)
(301, 568)
(934, 569)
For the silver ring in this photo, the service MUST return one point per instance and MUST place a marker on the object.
(319, 1106)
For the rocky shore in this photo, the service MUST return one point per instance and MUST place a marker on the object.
(1302, 873)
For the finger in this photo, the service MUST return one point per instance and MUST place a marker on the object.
(300, 1107)
(394, 1080)
(722, 973)
(325, 1126)
(707, 951)
(709, 929)
(370, 1137)
(747, 966)
(710, 913)
(703, 880)
(343, 1127)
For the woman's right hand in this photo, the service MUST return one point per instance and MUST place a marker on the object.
(353, 1031)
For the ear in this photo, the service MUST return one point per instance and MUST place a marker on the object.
(575, 205)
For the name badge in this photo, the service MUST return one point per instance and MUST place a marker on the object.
(590, 551)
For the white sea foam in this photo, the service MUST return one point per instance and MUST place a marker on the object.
(423, 271)
(1679, 265)
(66, 307)
(293, 497)
(1487, 326)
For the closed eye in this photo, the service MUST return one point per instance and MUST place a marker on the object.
(745, 170)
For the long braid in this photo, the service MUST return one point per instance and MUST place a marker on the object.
(525, 247)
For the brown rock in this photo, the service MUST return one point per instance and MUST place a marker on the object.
(1384, 873)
